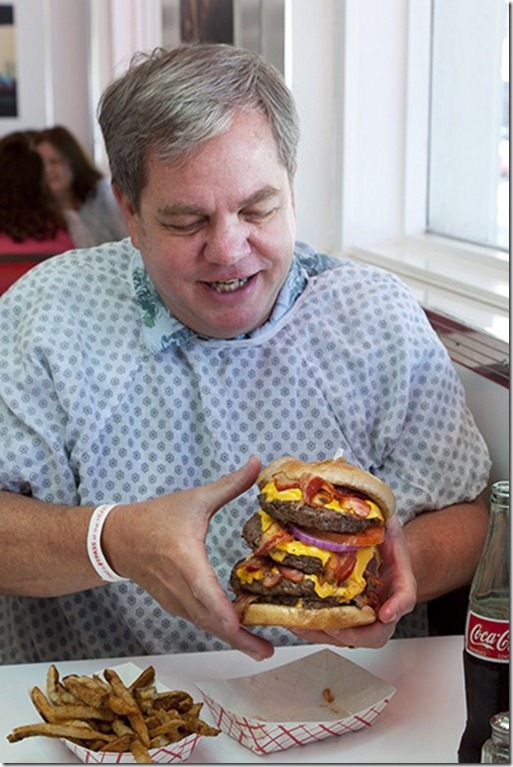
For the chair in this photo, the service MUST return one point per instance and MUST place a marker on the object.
(12, 266)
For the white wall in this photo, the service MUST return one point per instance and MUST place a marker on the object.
(315, 82)
(360, 69)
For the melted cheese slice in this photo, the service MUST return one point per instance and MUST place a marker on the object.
(353, 586)
(295, 494)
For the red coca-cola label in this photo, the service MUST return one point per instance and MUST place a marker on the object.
(487, 638)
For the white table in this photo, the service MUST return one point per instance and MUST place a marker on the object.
(422, 723)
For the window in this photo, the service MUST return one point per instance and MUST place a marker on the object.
(468, 195)
(373, 198)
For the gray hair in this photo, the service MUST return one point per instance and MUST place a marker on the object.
(172, 100)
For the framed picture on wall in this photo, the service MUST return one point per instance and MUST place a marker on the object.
(23, 43)
(8, 67)
(209, 21)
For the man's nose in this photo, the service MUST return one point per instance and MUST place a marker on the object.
(227, 241)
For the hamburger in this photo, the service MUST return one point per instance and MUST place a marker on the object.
(315, 546)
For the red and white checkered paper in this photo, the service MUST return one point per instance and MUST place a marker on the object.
(174, 752)
(285, 707)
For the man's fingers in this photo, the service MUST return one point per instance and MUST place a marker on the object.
(400, 576)
(232, 485)
(376, 635)
(250, 644)
(208, 607)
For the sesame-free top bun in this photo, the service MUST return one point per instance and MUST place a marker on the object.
(338, 472)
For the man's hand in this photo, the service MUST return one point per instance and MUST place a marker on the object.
(401, 593)
(160, 544)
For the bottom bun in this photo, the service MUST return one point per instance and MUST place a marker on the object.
(323, 618)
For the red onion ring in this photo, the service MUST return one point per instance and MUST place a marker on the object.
(321, 544)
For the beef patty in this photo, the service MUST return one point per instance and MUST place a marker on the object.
(252, 531)
(319, 519)
(285, 592)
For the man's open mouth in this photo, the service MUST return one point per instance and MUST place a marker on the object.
(228, 286)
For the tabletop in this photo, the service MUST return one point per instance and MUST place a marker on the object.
(422, 723)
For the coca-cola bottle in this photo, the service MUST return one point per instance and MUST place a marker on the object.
(486, 652)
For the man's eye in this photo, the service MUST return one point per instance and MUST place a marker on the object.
(189, 228)
(258, 215)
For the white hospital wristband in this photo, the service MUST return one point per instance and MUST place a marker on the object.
(94, 545)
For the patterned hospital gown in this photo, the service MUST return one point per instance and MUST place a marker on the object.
(105, 397)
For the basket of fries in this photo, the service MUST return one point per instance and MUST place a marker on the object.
(119, 715)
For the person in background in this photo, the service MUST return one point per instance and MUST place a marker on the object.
(30, 221)
(183, 358)
(79, 186)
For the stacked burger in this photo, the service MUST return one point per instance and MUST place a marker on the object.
(315, 539)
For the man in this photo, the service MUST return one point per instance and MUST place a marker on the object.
(143, 382)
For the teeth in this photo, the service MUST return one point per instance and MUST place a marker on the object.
(229, 285)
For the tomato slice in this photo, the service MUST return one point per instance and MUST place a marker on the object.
(373, 536)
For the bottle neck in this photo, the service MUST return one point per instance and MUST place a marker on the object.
(499, 501)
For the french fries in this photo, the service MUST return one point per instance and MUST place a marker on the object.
(108, 715)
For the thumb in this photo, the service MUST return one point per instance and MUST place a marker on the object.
(232, 485)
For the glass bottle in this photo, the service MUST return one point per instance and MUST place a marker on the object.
(486, 651)
(496, 748)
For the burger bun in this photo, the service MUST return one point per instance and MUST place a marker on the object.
(296, 617)
(338, 472)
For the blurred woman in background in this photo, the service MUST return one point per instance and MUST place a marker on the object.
(32, 226)
(79, 186)
(30, 220)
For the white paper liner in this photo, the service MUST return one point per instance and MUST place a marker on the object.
(303, 701)
(173, 752)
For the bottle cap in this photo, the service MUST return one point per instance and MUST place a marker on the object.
(500, 726)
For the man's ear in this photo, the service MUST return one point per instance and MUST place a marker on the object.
(128, 211)
(126, 206)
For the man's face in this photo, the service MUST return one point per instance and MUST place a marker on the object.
(216, 232)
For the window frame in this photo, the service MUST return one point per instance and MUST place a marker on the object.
(375, 208)
(429, 262)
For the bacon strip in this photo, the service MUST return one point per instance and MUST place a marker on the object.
(254, 563)
(271, 537)
(291, 574)
(282, 483)
(339, 567)
(319, 492)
